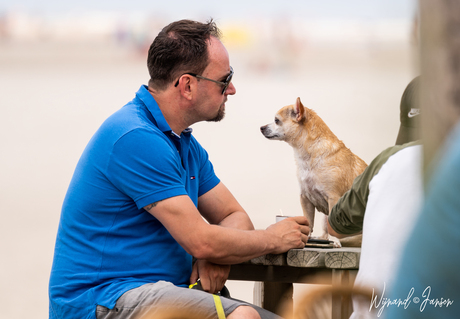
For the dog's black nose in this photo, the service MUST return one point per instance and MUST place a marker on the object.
(262, 128)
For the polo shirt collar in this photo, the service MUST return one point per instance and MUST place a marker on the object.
(144, 95)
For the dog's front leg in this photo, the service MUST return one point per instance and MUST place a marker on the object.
(308, 211)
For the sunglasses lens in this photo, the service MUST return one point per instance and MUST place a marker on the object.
(227, 82)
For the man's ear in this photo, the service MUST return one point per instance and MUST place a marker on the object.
(186, 86)
(299, 110)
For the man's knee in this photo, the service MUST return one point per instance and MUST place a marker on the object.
(244, 312)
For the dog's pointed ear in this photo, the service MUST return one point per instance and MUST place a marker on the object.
(299, 110)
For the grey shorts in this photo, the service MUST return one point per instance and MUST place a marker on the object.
(149, 298)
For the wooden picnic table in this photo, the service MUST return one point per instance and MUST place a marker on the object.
(275, 275)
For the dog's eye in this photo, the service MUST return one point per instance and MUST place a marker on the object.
(277, 122)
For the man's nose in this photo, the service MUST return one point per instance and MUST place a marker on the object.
(230, 89)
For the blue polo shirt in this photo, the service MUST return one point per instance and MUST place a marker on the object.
(107, 243)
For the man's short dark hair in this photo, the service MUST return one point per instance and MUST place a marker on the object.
(179, 48)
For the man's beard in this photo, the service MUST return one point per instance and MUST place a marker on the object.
(220, 115)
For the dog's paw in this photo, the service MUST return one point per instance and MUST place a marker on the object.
(336, 241)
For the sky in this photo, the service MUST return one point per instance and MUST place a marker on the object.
(235, 9)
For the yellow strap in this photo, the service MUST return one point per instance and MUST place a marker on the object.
(217, 302)
(219, 308)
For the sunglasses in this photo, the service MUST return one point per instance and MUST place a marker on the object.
(225, 84)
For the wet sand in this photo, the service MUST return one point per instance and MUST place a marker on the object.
(54, 96)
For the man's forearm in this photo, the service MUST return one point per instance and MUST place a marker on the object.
(238, 220)
(232, 246)
(332, 232)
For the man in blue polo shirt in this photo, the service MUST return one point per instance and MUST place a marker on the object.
(132, 218)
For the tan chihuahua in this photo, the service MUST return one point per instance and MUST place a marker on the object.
(326, 168)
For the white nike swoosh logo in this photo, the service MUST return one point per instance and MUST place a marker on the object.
(413, 113)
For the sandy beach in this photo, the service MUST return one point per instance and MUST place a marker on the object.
(54, 96)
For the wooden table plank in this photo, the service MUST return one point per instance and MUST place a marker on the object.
(336, 258)
(270, 260)
(343, 259)
(311, 258)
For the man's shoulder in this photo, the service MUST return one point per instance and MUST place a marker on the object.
(130, 118)
(388, 153)
(397, 148)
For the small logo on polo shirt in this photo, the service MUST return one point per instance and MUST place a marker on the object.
(413, 113)
(192, 178)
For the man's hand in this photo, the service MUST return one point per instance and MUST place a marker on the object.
(212, 276)
(293, 232)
